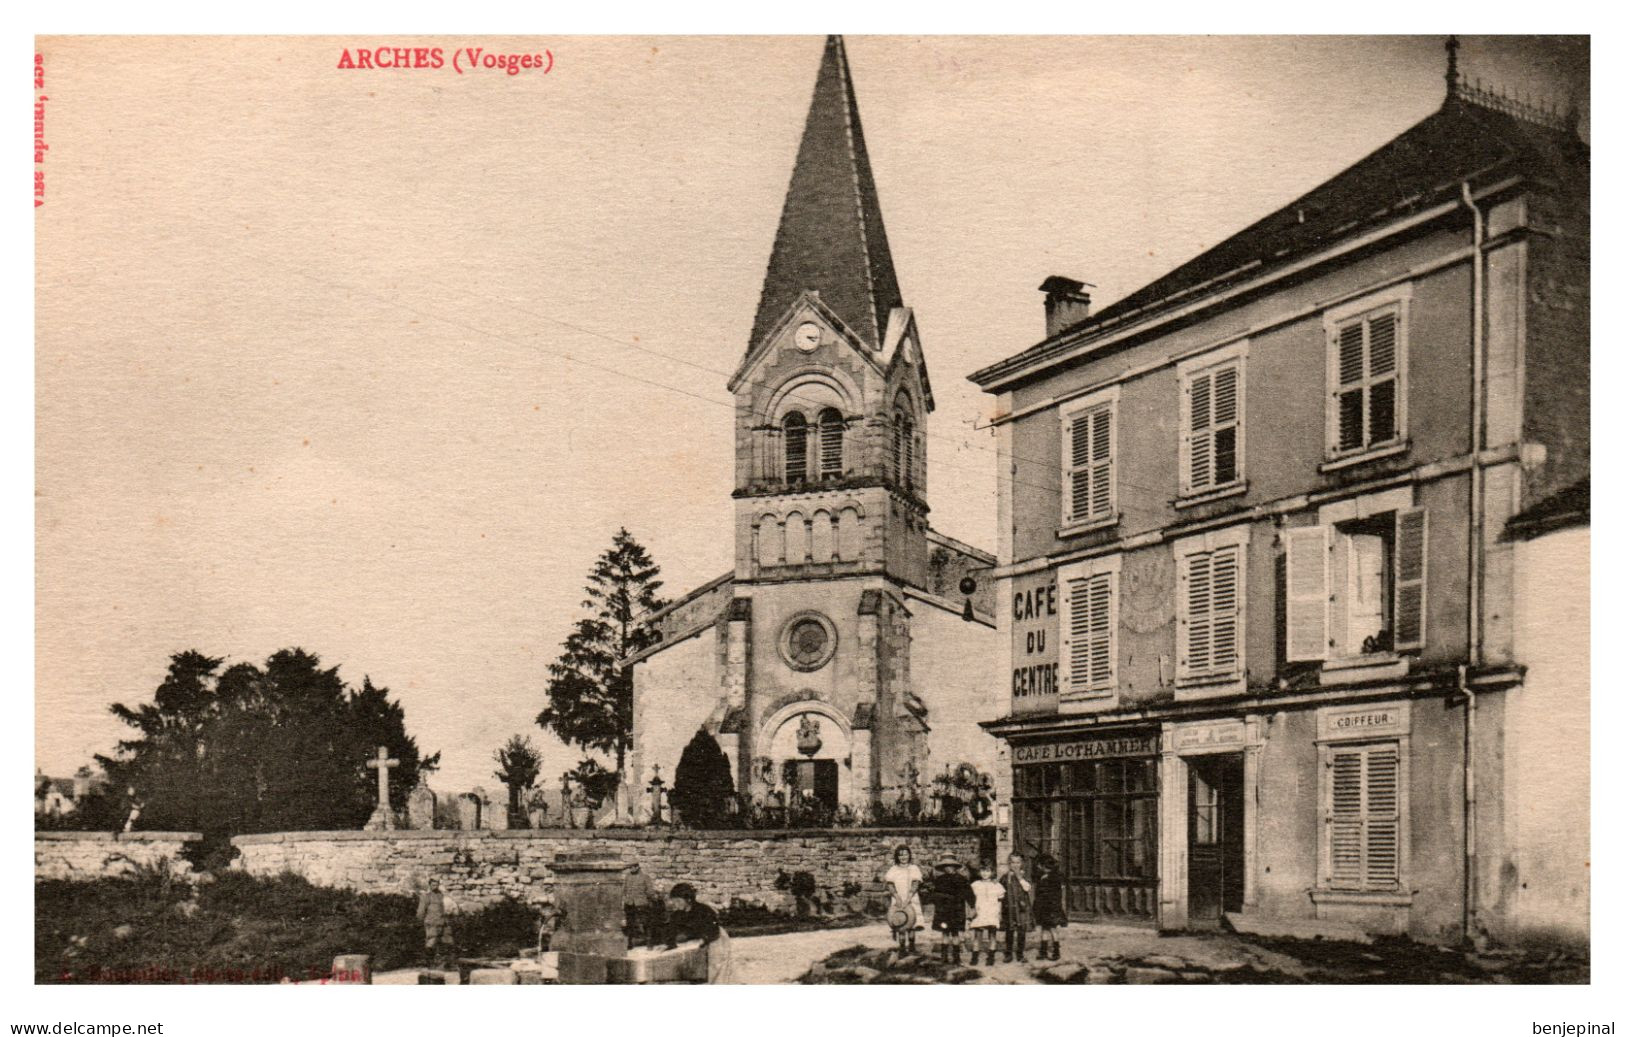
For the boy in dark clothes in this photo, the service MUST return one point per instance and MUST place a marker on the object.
(953, 894)
(1049, 907)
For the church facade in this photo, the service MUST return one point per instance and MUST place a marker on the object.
(848, 656)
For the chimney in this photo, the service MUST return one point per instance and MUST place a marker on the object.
(1066, 304)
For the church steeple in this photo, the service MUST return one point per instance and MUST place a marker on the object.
(831, 239)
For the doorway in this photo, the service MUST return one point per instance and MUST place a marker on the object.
(819, 778)
(1215, 830)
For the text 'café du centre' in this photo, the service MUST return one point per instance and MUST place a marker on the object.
(1272, 537)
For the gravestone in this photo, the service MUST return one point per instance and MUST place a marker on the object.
(496, 814)
(420, 807)
(468, 812)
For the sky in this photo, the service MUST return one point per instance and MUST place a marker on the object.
(375, 363)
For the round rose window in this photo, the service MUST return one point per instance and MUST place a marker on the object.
(808, 641)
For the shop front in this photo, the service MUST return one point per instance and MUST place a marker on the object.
(1091, 803)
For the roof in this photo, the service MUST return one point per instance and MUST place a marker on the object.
(831, 239)
(1475, 136)
(1570, 506)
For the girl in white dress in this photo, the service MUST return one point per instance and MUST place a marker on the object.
(903, 880)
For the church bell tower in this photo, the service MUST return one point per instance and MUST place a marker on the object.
(830, 418)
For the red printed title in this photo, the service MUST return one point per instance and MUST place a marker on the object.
(463, 59)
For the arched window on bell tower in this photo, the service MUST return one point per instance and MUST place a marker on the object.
(902, 442)
(831, 460)
(795, 447)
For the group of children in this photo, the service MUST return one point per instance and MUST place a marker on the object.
(981, 900)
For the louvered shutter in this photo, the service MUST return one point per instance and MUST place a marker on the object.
(1350, 395)
(1100, 461)
(1089, 632)
(1088, 446)
(1212, 428)
(1198, 433)
(1381, 816)
(1345, 822)
(830, 456)
(1196, 654)
(1363, 817)
(1226, 424)
(795, 448)
(1226, 609)
(1306, 592)
(1410, 577)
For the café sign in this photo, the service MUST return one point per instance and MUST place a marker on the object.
(1089, 749)
(1035, 630)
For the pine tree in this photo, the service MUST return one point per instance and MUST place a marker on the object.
(589, 700)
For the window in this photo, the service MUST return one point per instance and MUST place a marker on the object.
(795, 447)
(1363, 807)
(1211, 411)
(1212, 607)
(1088, 491)
(1357, 587)
(1366, 349)
(830, 459)
(902, 447)
(1088, 626)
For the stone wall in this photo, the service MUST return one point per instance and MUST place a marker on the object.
(479, 868)
(100, 855)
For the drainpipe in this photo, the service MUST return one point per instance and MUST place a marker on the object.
(1475, 551)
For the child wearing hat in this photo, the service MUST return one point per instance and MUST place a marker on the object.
(953, 895)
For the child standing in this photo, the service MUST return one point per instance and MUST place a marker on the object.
(1049, 907)
(953, 895)
(1018, 909)
(985, 923)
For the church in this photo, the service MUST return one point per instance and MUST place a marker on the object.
(850, 655)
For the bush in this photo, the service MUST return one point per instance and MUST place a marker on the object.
(704, 786)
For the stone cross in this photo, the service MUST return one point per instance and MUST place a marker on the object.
(382, 818)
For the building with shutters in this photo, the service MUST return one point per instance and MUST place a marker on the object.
(839, 661)
(1261, 605)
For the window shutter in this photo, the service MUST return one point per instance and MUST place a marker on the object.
(1077, 466)
(1089, 632)
(1226, 424)
(1226, 609)
(1100, 491)
(1199, 400)
(1345, 820)
(1410, 577)
(1197, 656)
(1306, 592)
(1382, 816)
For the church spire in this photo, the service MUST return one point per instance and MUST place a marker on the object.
(830, 237)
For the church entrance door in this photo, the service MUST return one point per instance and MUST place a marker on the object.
(817, 779)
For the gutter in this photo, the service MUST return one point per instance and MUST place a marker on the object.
(1475, 590)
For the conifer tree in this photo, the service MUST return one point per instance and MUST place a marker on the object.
(589, 700)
